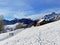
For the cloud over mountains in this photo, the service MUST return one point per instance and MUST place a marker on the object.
(29, 8)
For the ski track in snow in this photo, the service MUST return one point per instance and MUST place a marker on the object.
(48, 34)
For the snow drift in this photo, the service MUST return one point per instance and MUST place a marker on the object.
(48, 34)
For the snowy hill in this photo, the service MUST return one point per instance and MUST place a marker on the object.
(8, 28)
(4, 36)
(48, 34)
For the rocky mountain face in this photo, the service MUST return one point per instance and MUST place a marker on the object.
(52, 17)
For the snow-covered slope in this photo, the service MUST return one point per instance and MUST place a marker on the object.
(10, 27)
(13, 27)
(48, 34)
(7, 35)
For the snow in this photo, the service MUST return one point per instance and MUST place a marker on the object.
(48, 34)
(10, 27)
(9, 34)
(40, 20)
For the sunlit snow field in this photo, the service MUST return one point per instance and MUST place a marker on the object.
(48, 34)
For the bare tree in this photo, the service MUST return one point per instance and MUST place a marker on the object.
(1, 23)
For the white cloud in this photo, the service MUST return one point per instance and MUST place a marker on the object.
(23, 15)
(36, 16)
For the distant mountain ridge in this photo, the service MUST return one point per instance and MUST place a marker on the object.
(25, 21)
(49, 17)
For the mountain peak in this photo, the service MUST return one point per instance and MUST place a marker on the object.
(51, 17)
(53, 13)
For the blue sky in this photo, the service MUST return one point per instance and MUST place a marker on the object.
(27, 8)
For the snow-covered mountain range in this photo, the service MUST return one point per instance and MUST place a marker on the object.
(52, 17)
(49, 17)
(11, 25)
(14, 21)
(48, 34)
